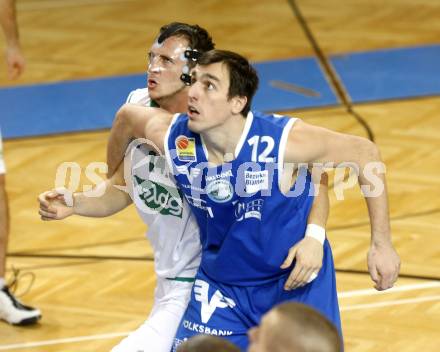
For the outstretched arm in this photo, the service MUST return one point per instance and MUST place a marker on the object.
(104, 200)
(135, 121)
(311, 144)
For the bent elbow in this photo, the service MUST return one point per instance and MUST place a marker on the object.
(122, 116)
(373, 151)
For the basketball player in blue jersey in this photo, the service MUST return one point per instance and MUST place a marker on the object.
(172, 231)
(231, 164)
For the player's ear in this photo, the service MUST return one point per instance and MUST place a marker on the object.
(238, 104)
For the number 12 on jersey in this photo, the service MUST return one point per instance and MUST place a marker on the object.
(255, 142)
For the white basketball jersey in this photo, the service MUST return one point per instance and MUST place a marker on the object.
(172, 230)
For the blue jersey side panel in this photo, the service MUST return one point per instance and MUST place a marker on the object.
(247, 226)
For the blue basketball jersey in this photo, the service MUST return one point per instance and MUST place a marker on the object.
(247, 224)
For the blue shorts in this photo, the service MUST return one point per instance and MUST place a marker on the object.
(230, 311)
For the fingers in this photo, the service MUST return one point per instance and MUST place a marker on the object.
(301, 275)
(292, 281)
(15, 61)
(45, 199)
(289, 259)
(46, 215)
(308, 254)
(15, 69)
(383, 265)
(300, 278)
(46, 219)
(42, 199)
(387, 278)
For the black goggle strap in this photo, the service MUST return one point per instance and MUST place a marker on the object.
(192, 55)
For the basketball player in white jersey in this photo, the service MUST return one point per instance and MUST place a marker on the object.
(172, 230)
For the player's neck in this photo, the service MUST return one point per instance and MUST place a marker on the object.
(175, 103)
(221, 141)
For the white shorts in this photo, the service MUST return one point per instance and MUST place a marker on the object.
(157, 333)
(2, 163)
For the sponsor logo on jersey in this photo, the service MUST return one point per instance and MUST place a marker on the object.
(158, 197)
(220, 191)
(256, 181)
(199, 190)
(247, 210)
(186, 148)
(202, 329)
(201, 290)
(224, 174)
(199, 203)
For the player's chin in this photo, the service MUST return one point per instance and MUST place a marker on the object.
(194, 126)
(154, 93)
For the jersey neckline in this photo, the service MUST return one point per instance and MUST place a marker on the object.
(238, 147)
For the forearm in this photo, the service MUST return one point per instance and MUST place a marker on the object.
(110, 202)
(120, 136)
(320, 208)
(379, 217)
(373, 184)
(9, 23)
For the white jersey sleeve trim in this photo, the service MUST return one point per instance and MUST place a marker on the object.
(130, 96)
(205, 150)
(139, 96)
(247, 127)
(165, 143)
(282, 147)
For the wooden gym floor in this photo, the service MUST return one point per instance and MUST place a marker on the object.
(94, 281)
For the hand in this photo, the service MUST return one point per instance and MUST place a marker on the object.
(15, 61)
(383, 265)
(308, 254)
(53, 205)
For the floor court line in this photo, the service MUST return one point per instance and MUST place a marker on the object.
(371, 291)
(356, 293)
(390, 303)
(61, 341)
(53, 4)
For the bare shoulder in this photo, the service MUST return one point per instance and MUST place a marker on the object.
(130, 110)
(159, 118)
(137, 118)
(303, 129)
(304, 142)
(300, 133)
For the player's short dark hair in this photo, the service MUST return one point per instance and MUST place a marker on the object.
(243, 78)
(198, 37)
